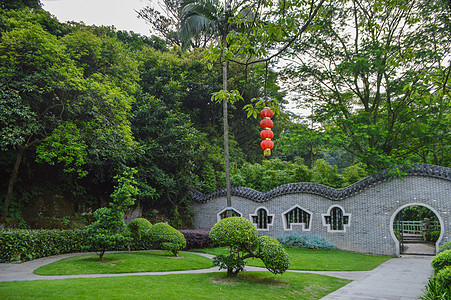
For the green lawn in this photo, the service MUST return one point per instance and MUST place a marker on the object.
(318, 260)
(248, 285)
(149, 261)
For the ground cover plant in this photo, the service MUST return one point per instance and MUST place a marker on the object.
(318, 260)
(249, 285)
(145, 261)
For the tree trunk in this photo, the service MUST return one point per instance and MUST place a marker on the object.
(226, 124)
(12, 180)
(101, 255)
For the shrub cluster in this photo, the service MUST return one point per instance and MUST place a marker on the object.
(197, 238)
(439, 286)
(310, 241)
(24, 245)
(432, 236)
(441, 260)
(163, 236)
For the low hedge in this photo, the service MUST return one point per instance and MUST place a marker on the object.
(24, 245)
(197, 238)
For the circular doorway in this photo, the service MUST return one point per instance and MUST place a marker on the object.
(417, 229)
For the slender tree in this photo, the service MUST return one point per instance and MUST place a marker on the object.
(246, 29)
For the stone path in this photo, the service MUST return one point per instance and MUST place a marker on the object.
(398, 278)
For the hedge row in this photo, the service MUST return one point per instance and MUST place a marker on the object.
(24, 245)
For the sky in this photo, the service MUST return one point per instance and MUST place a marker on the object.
(120, 13)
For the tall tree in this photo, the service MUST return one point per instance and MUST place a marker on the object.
(245, 30)
(364, 69)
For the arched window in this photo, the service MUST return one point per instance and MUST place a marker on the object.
(261, 218)
(223, 214)
(336, 219)
(297, 216)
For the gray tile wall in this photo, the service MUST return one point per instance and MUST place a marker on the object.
(372, 211)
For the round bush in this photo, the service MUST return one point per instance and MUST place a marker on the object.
(234, 232)
(443, 277)
(273, 255)
(441, 260)
(163, 236)
(139, 228)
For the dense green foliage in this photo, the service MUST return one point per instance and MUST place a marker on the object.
(273, 255)
(24, 245)
(441, 260)
(139, 229)
(163, 236)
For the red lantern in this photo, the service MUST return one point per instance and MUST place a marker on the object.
(266, 123)
(267, 134)
(266, 113)
(267, 145)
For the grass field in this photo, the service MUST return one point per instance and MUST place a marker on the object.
(149, 261)
(248, 285)
(318, 260)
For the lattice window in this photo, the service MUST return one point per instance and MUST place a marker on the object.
(262, 219)
(297, 216)
(223, 214)
(336, 219)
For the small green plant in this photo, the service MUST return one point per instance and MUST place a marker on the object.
(241, 236)
(441, 260)
(164, 236)
(435, 291)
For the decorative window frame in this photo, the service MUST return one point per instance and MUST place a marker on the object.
(328, 214)
(285, 226)
(222, 211)
(255, 214)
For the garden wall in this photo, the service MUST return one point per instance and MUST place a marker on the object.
(357, 218)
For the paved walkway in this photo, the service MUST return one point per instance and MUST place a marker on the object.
(398, 278)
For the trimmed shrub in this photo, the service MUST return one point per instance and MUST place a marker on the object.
(310, 241)
(197, 238)
(444, 247)
(441, 260)
(163, 236)
(139, 228)
(24, 245)
(242, 237)
(273, 255)
(235, 232)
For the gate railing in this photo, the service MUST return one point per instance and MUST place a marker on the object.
(414, 227)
